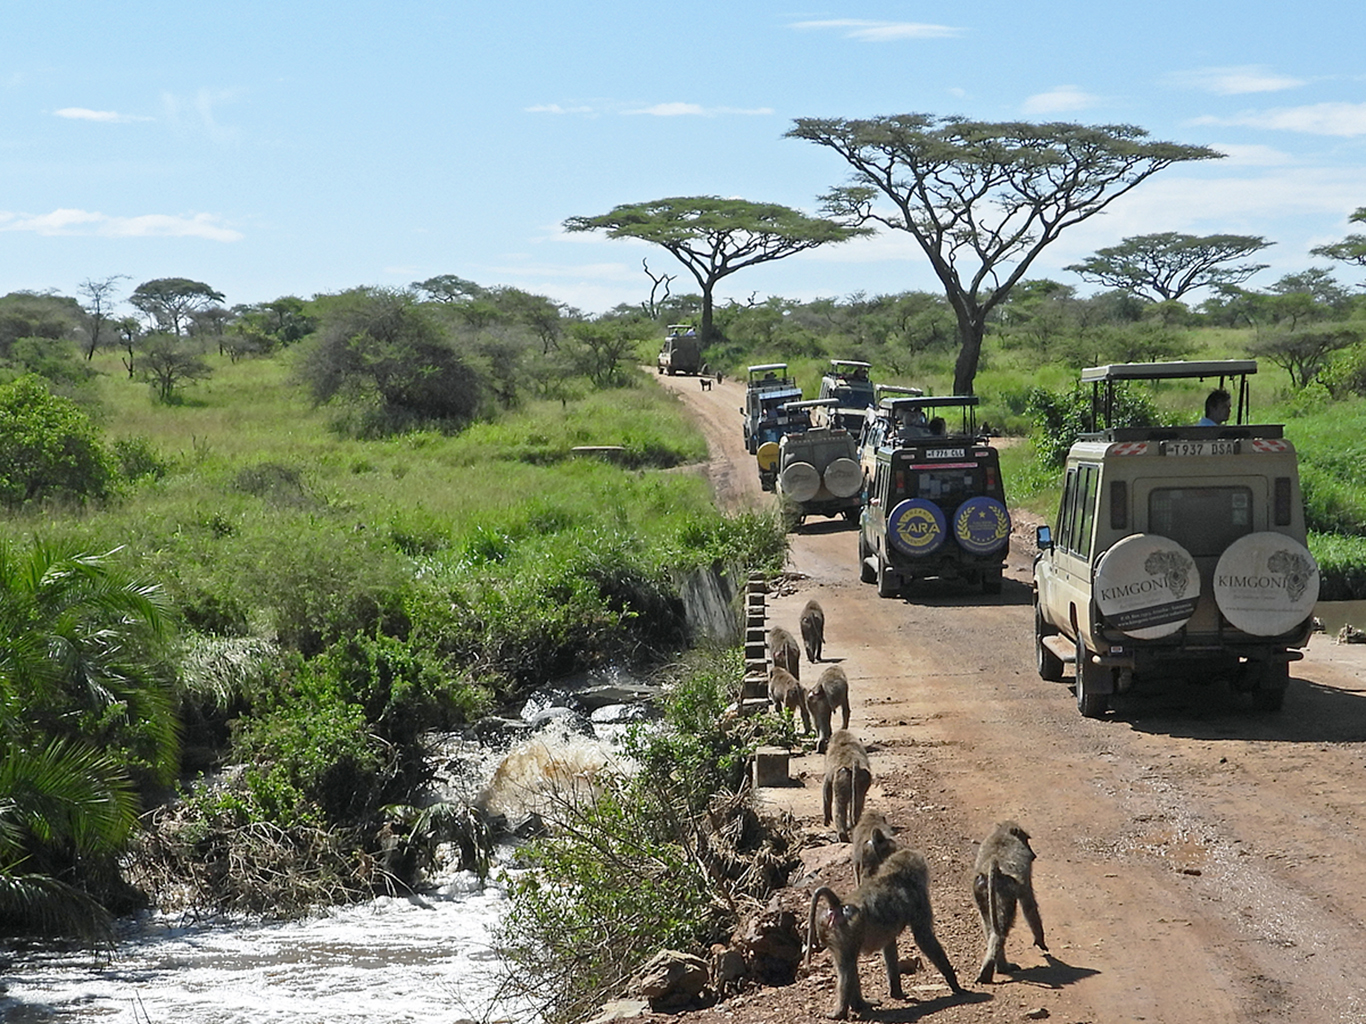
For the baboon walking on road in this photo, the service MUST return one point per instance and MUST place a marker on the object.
(784, 652)
(895, 898)
(785, 692)
(1004, 877)
(813, 629)
(830, 692)
(871, 843)
(847, 779)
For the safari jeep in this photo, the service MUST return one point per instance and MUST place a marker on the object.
(1178, 551)
(935, 504)
(769, 387)
(815, 471)
(847, 382)
(682, 351)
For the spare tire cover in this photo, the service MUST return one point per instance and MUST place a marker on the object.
(843, 477)
(1147, 586)
(800, 481)
(981, 525)
(1266, 583)
(916, 527)
(767, 455)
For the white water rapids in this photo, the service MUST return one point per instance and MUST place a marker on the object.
(392, 960)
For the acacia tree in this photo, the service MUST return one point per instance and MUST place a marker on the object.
(171, 301)
(983, 199)
(716, 237)
(1351, 249)
(100, 301)
(1165, 266)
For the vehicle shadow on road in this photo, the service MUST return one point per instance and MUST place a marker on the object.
(819, 526)
(1313, 713)
(937, 593)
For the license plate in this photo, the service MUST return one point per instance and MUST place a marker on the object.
(1199, 447)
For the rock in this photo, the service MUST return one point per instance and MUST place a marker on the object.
(1041, 1013)
(669, 980)
(728, 970)
(771, 945)
(621, 1009)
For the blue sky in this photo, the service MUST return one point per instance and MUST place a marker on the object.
(297, 148)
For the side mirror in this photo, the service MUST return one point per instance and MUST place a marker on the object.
(1043, 538)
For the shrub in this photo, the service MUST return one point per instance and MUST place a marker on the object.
(48, 447)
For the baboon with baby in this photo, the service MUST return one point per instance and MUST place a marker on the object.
(830, 692)
(785, 692)
(895, 898)
(847, 779)
(1002, 878)
(813, 629)
(871, 843)
(784, 652)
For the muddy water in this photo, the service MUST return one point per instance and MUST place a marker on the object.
(418, 959)
(1336, 614)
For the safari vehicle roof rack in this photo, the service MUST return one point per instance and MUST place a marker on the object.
(853, 364)
(764, 367)
(967, 403)
(895, 389)
(1103, 378)
(811, 403)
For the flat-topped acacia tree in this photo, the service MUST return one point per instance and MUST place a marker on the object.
(983, 199)
(715, 237)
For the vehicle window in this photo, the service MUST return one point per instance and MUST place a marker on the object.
(1086, 491)
(946, 486)
(1064, 537)
(1203, 520)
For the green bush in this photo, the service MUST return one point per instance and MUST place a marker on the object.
(48, 447)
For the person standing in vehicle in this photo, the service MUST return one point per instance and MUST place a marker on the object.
(1218, 405)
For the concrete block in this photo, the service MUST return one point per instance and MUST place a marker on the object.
(770, 767)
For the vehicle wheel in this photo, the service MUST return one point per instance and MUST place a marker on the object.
(1048, 663)
(866, 573)
(888, 584)
(1271, 687)
(1090, 703)
(991, 581)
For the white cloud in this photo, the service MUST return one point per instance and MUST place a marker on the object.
(105, 116)
(880, 31)
(150, 225)
(695, 110)
(1251, 155)
(1234, 81)
(197, 113)
(1060, 99)
(1344, 119)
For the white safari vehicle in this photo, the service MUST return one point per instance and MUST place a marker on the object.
(1177, 552)
(814, 469)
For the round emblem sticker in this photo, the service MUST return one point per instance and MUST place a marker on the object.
(916, 527)
(1266, 583)
(1147, 586)
(982, 525)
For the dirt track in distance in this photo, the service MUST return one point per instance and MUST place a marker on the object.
(1198, 861)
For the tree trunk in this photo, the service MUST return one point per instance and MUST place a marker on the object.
(971, 330)
(706, 316)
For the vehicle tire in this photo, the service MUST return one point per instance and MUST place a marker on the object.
(991, 581)
(866, 573)
(1049, 664)
(888, 583)
(843, 477)
(1090, 703)
(801, 481)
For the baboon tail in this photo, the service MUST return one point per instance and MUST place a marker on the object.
(829, 895)
(994, 882)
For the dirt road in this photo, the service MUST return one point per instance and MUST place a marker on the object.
(1197, 861)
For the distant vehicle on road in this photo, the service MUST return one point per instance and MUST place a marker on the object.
(936, 505)
(769, 387)
(682, 351)
(815, 470)
(847, 382)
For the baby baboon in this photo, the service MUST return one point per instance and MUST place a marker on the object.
(830, 692)
(847, 778)
(813, 629)
(870, 844)
(784, 652)
(786, 692)
(879, 910)
(1003, 876)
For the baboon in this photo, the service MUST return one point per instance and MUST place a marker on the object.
(871, 843)
(786, 692)
(876, 914)
(830, 692)
(813, 629)
(784, 652)
(847, 778)
(1004, 876)
(706, 384)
